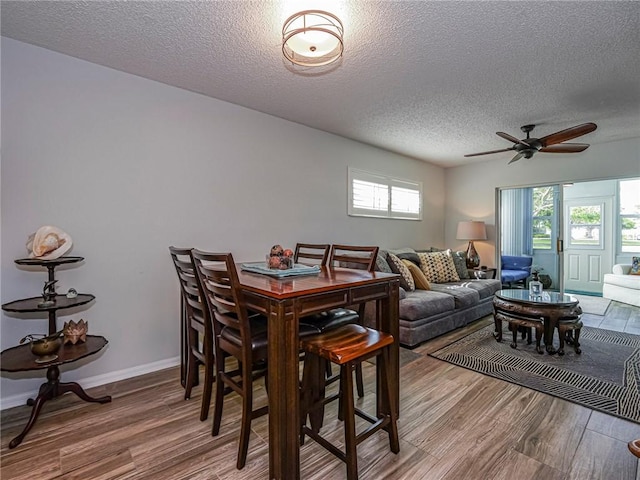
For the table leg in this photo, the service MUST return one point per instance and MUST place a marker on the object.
(550, 324)
(283, 381)
(388, 321)
(498, 327)
(48, 391)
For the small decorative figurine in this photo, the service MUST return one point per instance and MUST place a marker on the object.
(48, 294)
(75, 332)
(72, 293)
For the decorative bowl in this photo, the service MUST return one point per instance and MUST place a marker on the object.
(46, 348)
(279, 258)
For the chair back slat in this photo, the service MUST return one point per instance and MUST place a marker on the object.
(312, 253)
(354, 256)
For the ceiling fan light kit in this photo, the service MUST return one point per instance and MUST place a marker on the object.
(553, 143)
(312, 38)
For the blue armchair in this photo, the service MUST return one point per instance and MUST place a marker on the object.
(515, 270)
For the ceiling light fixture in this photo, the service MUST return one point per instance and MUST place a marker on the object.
(312, 38)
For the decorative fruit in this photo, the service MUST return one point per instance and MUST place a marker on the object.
(274, 261)
(276, 250)
(288, 253)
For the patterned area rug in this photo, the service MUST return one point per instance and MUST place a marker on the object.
(605, 377)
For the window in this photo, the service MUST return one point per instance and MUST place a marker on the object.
(542, 218)
(376, 195)
(629, 215)
(585, 223)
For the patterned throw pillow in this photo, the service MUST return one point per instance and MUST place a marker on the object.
(381, 262)
(418, 277)
(438, 267)
(460, 261)
(406, 280)
(635, 266)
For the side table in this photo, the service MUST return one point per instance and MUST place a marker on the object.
(481, 273)
(20, 359)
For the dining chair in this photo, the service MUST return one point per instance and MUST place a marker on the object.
(197, 327)
(312, 253)
(347, 346)
(351, 256)
(238, 335)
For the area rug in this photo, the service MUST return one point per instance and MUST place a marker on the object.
(593, 305)
(605, 377)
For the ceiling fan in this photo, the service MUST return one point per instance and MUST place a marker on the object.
(549, 144)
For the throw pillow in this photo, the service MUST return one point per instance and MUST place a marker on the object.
(460, 262)
(419, 279)
(438, 267)
(381, 262)
(406, 280)
(411, 256)
(635, 266)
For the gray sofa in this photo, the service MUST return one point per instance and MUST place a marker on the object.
(425, 314)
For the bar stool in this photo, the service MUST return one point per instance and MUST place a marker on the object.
(346, 346)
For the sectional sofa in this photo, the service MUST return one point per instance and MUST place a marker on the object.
(445, 306)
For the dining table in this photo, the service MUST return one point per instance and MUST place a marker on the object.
(284, 301)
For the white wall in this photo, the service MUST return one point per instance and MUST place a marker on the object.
(129, 167)
(470, 190)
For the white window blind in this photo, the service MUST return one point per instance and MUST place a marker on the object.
(376, 195)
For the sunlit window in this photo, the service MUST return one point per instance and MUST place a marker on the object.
(542, 216)
(585, 223)
(376, 195)
(630, 215)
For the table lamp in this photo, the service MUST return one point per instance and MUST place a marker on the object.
(472, 230)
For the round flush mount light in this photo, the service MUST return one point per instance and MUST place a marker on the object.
(312, 38)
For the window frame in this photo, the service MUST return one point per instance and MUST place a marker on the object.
(621, 216)
(390, 183)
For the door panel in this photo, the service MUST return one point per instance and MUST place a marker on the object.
(589, 243)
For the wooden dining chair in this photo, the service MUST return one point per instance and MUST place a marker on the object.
(312, 253)
(238, 335)
(351, 256)
(198, 329)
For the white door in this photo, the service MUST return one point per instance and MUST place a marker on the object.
(588, 243)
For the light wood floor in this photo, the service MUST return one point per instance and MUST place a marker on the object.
(455, 424)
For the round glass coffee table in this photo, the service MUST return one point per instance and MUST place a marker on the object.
(554, 309)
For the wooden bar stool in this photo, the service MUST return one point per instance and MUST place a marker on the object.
(346, 346)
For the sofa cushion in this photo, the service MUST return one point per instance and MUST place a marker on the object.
(626, 281)
(463, 296)
(485, 287)
(438, 267)
(397, 266)
(425, 303)
(418, 277)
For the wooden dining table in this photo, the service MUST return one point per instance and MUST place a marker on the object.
(284, 301)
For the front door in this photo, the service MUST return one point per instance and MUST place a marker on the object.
(588, 243)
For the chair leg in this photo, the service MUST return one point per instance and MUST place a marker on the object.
(217, 407)
(247, 407)
(359, 382)
(394, 441)
(209, 367)
(351, 453)
(192, 364)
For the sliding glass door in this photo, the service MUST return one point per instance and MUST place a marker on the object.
(529, 226)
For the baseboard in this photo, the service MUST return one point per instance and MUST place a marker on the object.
(587, 294)
(97, 380)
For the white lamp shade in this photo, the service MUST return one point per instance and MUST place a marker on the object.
(471, 230)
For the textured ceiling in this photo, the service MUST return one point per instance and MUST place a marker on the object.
(430, 80)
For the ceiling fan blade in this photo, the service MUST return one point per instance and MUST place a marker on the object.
(487, 153)
(568, 134)
(566, 148)
(518, 156)
(506, 136)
